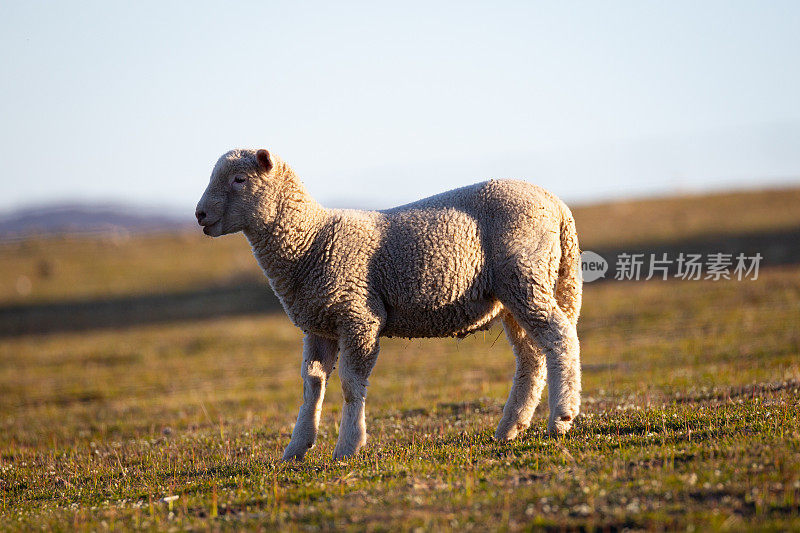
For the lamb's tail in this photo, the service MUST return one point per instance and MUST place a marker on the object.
(569, 286)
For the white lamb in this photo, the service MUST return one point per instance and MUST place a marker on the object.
(444, 266)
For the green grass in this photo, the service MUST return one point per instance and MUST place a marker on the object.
(690, 417)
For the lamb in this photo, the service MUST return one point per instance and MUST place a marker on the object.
(448, 265)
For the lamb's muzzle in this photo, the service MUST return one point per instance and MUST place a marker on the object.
(447, 265)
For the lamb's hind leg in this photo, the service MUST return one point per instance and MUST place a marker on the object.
(559, 338)
(319, 357)
(529, 380)
(556, 335)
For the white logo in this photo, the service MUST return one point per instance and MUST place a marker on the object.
(593, 266)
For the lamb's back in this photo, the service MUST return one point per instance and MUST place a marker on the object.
(484, 200)
(433, 266)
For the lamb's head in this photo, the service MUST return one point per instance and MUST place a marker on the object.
(243, 191)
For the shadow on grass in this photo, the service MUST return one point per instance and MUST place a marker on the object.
(776, 248)
(239, 298)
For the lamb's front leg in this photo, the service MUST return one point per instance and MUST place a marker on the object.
(359, 354)
(319, 357)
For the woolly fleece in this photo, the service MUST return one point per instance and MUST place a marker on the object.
(444, 266)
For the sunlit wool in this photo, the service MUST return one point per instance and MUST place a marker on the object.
(444, 266)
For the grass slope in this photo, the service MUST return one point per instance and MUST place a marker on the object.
(690, 418)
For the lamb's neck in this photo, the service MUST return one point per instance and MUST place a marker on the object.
(281, 243)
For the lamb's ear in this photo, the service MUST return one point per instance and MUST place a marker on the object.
(264, 160)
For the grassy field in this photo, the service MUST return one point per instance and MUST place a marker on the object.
(690, 404)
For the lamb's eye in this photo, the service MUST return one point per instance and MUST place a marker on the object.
(239, 179)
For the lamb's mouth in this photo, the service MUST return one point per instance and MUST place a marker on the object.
(213, 230)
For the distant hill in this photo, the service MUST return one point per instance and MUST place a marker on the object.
(77, 219)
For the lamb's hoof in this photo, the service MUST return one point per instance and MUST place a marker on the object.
(507, 433)
(342, 452)
(295, 452)
(343, 455)
(557, 427)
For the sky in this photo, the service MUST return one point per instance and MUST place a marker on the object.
(377, 104)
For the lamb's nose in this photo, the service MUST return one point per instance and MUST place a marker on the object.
(201, 215)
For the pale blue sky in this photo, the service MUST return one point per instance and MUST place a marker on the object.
(377, 105)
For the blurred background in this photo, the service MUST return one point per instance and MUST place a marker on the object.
(668, 127)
